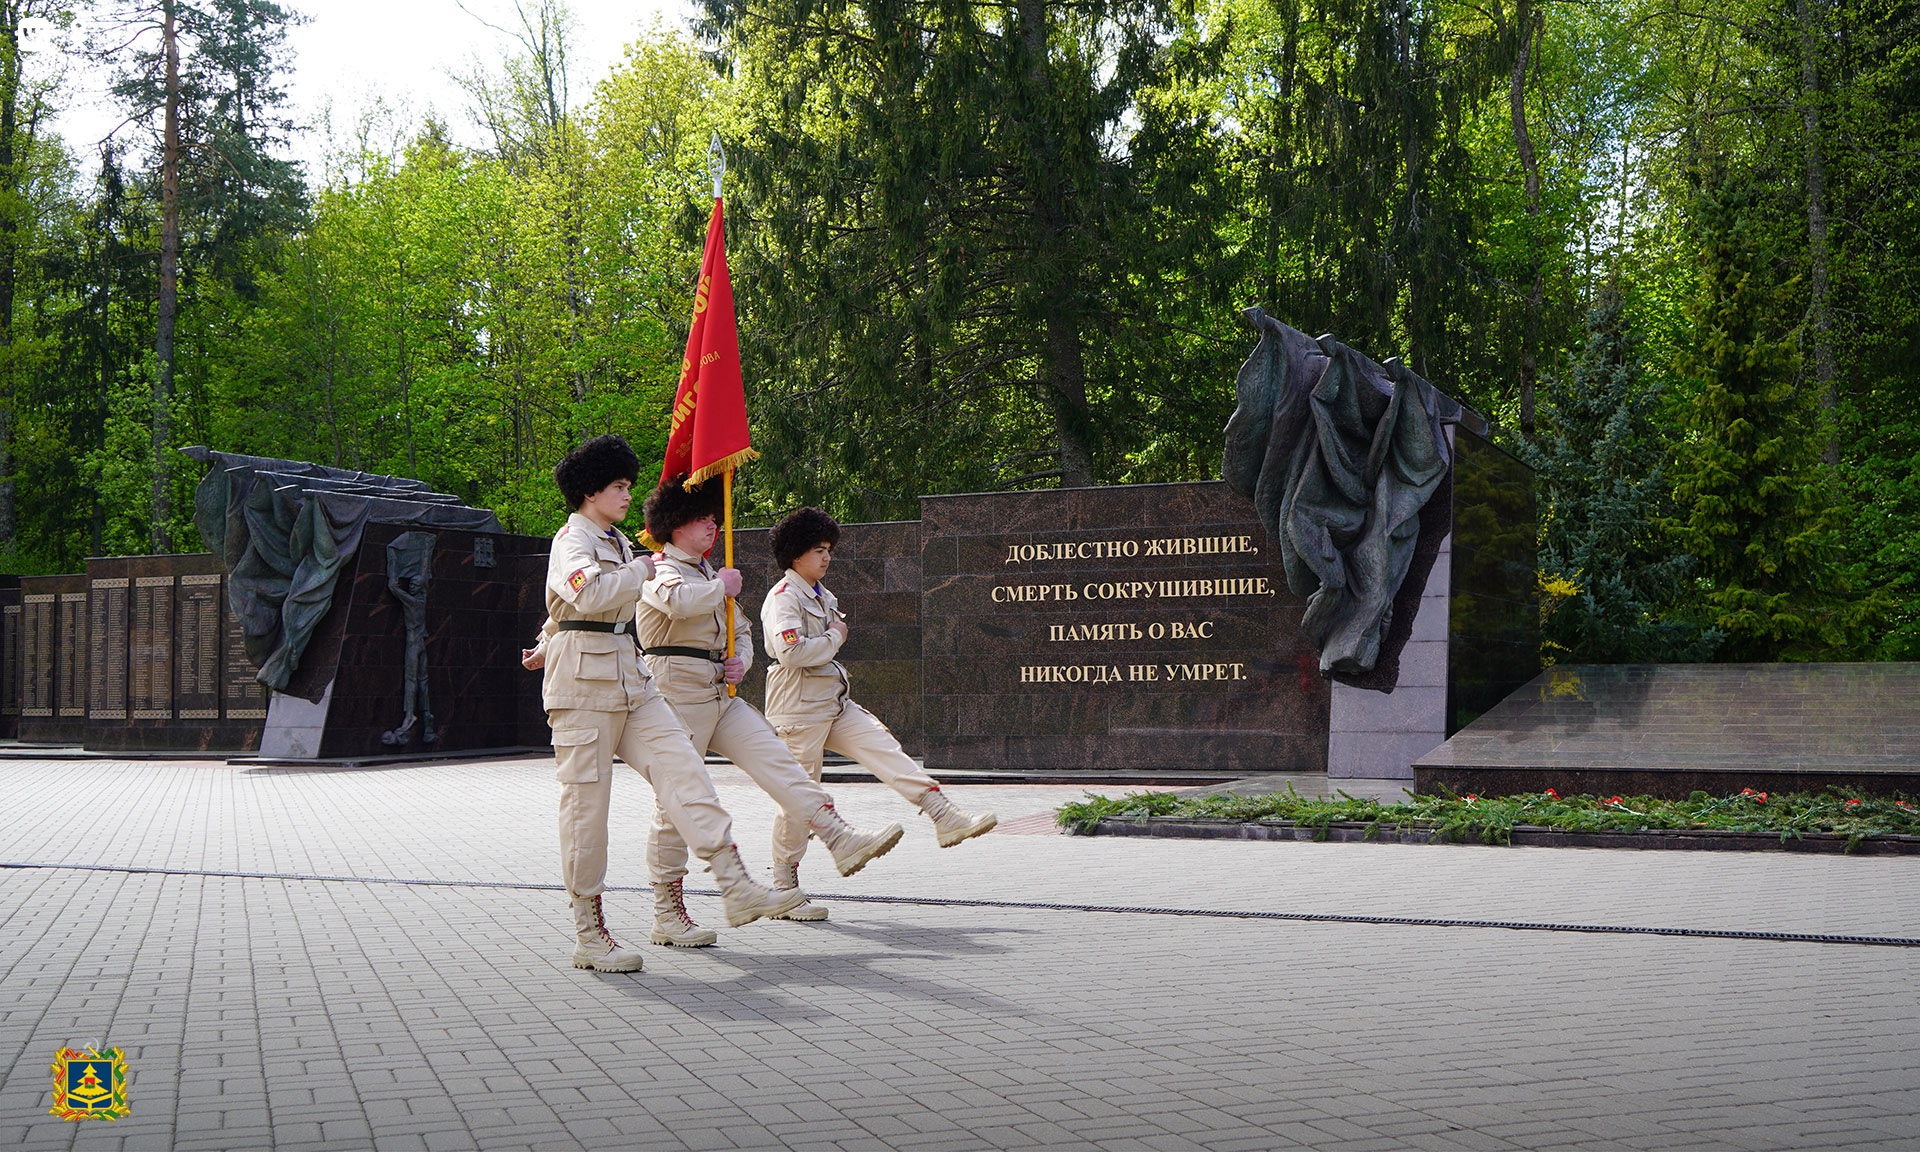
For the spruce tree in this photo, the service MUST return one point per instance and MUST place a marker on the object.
(1754, 505)
(1601, 461)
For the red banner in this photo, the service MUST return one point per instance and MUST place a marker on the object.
(708, 434)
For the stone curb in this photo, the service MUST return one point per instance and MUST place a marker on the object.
(1354, 832)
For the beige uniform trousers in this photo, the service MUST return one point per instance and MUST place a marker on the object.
(858, 735)
(735, 729)
(651, 739)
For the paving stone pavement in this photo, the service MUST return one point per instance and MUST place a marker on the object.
(312, 959)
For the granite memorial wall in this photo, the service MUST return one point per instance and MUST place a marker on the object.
(1101, 629)
(138, 654)
(143, 654)
(9, 657)
(483, 603)
(53, 659)
(1130, 628)
(166, 668)
(1149, 628)
(1493, 621)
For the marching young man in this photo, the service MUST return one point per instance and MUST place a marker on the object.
(601, 701)
(683, 633)
(808, 701)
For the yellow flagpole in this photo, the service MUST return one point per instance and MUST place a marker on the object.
(726, 491)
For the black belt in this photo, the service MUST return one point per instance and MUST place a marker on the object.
(593, 626)
(717, 655)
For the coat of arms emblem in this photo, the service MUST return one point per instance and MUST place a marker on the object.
(90, 1085)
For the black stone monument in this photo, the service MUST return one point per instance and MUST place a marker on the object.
(1140, 628)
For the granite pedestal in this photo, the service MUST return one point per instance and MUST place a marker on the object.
(1669, 730)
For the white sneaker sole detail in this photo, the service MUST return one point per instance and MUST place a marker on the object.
(790, 899)
(601, 964)
(980, 827)
(704, 938)
(807, 912)
(871, 852)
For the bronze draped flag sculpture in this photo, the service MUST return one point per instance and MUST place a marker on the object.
(285, 529)
(1339, 455)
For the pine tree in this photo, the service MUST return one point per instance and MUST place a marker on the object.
(1754, 503)
(203, 78)
(1601, 461)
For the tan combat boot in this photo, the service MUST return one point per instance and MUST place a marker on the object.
(593, 946)
(851, 847)
(787, 876)
(672, 925)
(744, 900)
(950, 824)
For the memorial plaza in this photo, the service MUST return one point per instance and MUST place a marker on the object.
(312, 958)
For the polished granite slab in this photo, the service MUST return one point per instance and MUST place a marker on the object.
(1142, 628)
(1669, 729)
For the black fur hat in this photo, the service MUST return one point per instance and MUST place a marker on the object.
(594, 465)
(673, 504)
(799, 532)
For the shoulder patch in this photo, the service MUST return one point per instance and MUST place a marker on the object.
(780, 587)
(564, 529)
(790, 636)
(578, 580)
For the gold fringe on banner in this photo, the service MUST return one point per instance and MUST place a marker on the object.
(694, 480)
(724, 464)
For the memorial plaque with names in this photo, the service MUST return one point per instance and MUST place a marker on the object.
(107, 632)
(1140, 628)
(36, 655)
(197, 648)
(10, 624)
(153, 648)
(243, 697)
(70, 691)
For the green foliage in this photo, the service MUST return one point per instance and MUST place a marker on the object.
(1492, 820)
(1601, 461)
(1874, 105)
(981, 245)
(1003, 246)
(1754, 502)
(465, 318)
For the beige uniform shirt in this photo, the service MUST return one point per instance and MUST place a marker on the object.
(808, 685)
(683, 607)
(592, 576)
